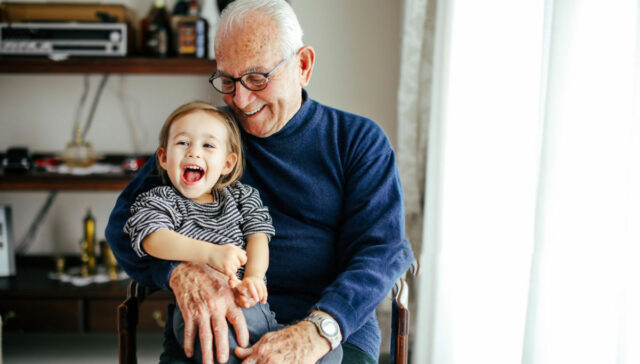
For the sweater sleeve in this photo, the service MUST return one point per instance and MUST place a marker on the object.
(372, 250)
(152, 211)
(255, 216)
(148, 271)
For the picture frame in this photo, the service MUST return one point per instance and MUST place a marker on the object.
(7, 252)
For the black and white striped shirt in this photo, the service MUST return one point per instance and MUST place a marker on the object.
(236, 213)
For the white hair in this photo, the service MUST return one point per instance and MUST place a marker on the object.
(278, 10)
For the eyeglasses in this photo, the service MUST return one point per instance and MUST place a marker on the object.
(252, 81)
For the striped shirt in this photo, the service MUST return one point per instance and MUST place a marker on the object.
(236, 213)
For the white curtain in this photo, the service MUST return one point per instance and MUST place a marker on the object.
(414, 102)
(531, 243)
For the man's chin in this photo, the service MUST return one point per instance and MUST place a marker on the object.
(256, 128)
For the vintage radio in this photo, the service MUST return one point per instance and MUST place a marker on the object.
(64, 39)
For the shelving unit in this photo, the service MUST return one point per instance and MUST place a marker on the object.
(130, 65)
(30, 300)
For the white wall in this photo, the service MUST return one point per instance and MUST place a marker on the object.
(357, 50)
(357, 45)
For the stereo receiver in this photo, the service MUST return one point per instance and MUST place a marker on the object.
(63, 39)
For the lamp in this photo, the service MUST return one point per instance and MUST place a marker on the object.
(79, 152)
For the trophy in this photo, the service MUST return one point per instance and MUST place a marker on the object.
(84, 258)
(109, 259)
(87, 245)
(90, 239)
(60, 263)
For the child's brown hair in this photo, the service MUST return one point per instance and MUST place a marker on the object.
(234, 142)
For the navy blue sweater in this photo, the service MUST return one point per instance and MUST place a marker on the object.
(331, 184)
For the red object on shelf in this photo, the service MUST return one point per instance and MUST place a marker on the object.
(47, 162)
(132, 164)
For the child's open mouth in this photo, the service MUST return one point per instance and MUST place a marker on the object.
(192, 174)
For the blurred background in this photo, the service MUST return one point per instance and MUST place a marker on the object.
(517, 133)
(357, 46)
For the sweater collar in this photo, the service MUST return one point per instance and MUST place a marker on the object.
(294, 126)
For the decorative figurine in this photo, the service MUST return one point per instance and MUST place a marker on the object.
(90, 238)
(109, 259)
(84, 258)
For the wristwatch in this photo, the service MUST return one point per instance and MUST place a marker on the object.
(327, 327)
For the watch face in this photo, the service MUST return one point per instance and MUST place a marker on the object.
(329, 327)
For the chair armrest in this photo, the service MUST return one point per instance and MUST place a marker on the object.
(128, 321)
(399, 353)
(138, 291)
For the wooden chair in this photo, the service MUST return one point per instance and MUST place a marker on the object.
(399, 353)
(128, 322)
(136, 294)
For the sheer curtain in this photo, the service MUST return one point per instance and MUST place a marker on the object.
(531, 243)
(414, 103)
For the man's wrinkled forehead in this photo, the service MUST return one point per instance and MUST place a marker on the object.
(249, 44)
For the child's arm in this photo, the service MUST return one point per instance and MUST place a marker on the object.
(252, 285)
(257, 255)
(170, 245)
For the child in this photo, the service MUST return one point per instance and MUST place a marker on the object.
(201, 154)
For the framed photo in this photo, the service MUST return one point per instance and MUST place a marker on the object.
(7, 256)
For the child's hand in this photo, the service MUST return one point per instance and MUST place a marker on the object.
(250, 291)
(227, 258)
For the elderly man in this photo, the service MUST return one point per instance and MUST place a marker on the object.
(331, 184)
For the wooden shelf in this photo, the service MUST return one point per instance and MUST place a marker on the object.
(39, 180)
(62, 182)
(31, 302)
(32, 280)
(139, 65)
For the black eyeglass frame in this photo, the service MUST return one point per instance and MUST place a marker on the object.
(235, 80)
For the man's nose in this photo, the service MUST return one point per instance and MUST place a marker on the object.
(242, 97)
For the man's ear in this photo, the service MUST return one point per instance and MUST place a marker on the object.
(229, 163)
(162, 157)
(307, 58)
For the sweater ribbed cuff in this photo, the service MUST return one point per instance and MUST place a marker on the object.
(337, 306)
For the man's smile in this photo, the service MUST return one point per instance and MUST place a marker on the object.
(251, 113)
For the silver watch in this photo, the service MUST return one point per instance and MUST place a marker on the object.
(327, 327)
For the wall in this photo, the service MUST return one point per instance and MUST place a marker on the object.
(357, 50)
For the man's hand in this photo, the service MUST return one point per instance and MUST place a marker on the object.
(207, 302)
(299, 343)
